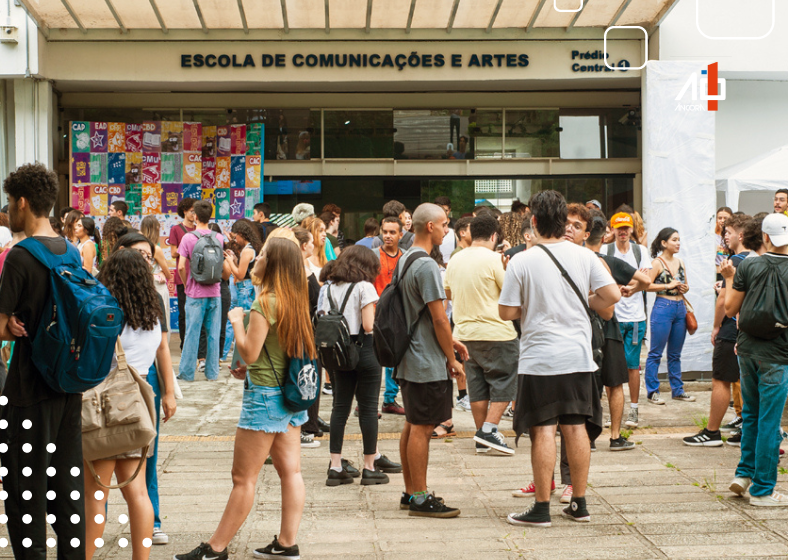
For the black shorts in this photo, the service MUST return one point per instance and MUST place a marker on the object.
(614, 364)
(724, 363)
(427, 404)
(543, 399)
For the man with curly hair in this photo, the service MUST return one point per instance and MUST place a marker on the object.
(43, 432)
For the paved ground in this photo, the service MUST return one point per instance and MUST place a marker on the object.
(662, 500)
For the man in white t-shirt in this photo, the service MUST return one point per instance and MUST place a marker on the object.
(630, 311)
(556, 357)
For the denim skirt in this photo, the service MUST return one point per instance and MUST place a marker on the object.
(263, 410)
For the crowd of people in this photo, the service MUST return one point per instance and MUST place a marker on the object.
(536, 314)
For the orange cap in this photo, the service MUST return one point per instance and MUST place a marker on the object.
(622, 219)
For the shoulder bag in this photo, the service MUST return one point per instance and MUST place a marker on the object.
(118, 416)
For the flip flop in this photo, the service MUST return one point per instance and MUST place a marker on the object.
(449, 431)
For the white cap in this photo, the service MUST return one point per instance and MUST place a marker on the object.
(776, 227)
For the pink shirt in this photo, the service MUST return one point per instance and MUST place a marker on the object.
(174, 240)
(193, 289)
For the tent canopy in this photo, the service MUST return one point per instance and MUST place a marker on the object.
(766, 172)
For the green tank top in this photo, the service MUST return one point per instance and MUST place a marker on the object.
(261, 372)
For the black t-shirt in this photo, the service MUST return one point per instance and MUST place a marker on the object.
(728, 330)
(313, 286)
(514, 250)
(748, 274)
(24, 289)
(622, 272)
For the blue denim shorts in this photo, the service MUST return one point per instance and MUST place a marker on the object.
(263, 410)
(633, 335)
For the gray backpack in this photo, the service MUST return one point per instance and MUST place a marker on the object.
(207, 259)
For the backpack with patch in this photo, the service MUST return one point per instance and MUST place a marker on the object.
(75, 340)
(301, 383)
(764, 311)
(337, 347)
(392, 332)
(207, 259)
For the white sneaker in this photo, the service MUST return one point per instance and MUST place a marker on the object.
(655, 398)
(566, 496)
(160, 537)
(463, 404)
(309, 441)
(740, 485)
(607, 422)
(775, 500)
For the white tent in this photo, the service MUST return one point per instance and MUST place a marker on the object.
(766, 172)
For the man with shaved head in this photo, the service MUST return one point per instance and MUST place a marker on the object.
(425, 372)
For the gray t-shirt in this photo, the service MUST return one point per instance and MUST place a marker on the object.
(424, 362)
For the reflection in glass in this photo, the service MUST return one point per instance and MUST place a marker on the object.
(359, 134)
(431, 133)
(599, 133)
(532, 134)
(485, 131)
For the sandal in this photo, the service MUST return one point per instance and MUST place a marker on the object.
(448, 429)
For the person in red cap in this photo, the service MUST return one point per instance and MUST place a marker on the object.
(630, 311)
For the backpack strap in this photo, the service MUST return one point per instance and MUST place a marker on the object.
(347, 297)
(568, 278)
(636, 251)
(47, 258)
(611, 249)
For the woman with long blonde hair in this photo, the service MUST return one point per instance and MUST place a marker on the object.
(151, 228)
(317, 228)
(279, 328)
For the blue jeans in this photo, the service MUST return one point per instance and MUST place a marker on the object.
(243, 296)
(668, 327)
(151, 477)
(764, 388)
(201, 312)
(392, 389)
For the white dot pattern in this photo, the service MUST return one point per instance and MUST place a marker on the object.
(3, 519)
(3, 400)
(27, 518)
(3, 543)
(51, 543)
(123, 518)
(27, 424)
(75, 494)
(3, 495)
(51, 518)
(51, 447)
(3, 424)
(99, 542)
(51, 471)
(74, 471)
(74, 542)
(99, 519)
(27, 448)
(3, 447)
(123, 543)
(74, 519)
(99, 495)
(27, 494)
(3, 471)
(146, 542)
(51, 495)
(27, 471)
(27, 543)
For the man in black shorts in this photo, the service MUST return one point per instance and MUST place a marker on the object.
(423, 374)
(724, 362)
(613, 371)
(557, 385)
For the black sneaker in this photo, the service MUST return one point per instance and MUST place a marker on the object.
(481, 448)
(704, 438)
(734, 439)
(431, 508)
(493, 440)
(203, 552)
(386, 465)
(323, 425)
(593, 445)
(351, 470)
(327, 389)
(538, 515)
(404, 501)
(577, 511)
(276, 550)
(368, 477)
(733, 426)
(336, 478)
(621, 444)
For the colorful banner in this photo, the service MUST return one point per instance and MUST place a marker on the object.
(151, 199)
(222, 202)
(117, 138)
(98, 199)
(192, 167)
(80, 137)
(99, 137)
(171, 196)
(116, 171)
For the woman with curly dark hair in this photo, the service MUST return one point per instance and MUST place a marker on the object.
(110, 233)
(352, 292)
(144, 338)
(240, 264)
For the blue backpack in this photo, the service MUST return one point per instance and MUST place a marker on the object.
(301, 382)
(75, 340)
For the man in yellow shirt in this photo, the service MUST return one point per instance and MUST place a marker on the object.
(473, 282)
(781, 201)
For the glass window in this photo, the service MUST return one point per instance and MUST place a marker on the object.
(359, 134)
(485, 130)
(599, 133)
(430, 133)
(532, 134)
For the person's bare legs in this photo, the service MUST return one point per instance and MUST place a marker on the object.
(615, 399)
(403, 457)
(543, 459)
(140, 508)
(94, 507)
(250, 452)
(286, 456)
(720, 398)
(479, 411)
(578, 450)
(634, 385)
(495, 412)
(416, 456)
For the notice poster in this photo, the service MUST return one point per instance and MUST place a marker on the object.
(151, 136)
(116, 171)
(98, 200)
(151, 199)
(254, 138)
(80, 169)
(224, 142)
(192, 168)
(171, 196)
(208, 173)
(192, 137)
(223, 172)
(116, 192)
(208, 194)
(253, 172)
(237, 203)
(133, 168)
(134, 199)
(238, 139)
(80, 198)
(151, 168)
(99, 137)
(192, 191)
(171, 168)
(80, 137)
(253, 196)
(117, 138)
(171, 137)
(208, 141)
(238, 172)
(222, 202)
(133, 137)
(98, 168)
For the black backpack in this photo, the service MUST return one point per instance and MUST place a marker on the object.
(392, 333)
(764, 311)
(337, 347)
